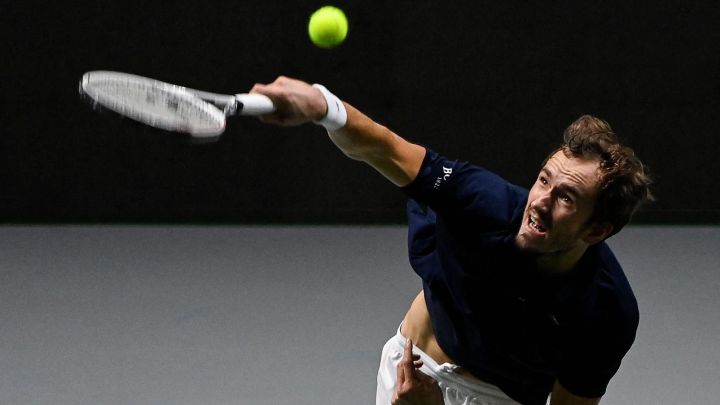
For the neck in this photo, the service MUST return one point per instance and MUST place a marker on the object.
(561, 261)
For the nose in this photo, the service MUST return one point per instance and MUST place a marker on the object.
(541, 204)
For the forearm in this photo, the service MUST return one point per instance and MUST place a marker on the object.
(365, 140)
(358, 136)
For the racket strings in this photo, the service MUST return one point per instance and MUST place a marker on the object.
(158, 104)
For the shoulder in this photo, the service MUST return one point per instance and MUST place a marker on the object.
(604, 334)
(616, 300)
(611, 315)
(455, 188)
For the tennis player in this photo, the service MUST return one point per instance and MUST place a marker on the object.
(522, 300)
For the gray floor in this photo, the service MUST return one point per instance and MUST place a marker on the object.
(288, 315)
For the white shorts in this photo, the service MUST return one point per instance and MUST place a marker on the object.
(457, 389)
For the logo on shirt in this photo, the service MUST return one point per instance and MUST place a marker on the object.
(447, 171)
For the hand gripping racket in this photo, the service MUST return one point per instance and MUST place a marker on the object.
(167, 106)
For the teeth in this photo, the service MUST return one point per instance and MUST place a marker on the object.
(535, 225)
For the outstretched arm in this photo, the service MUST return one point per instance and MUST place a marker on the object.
(360, 138)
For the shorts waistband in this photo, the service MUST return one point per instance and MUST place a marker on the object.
(445, 373)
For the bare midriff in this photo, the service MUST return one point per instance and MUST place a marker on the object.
(417, 327)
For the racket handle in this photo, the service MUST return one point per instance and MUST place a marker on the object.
(254, 104)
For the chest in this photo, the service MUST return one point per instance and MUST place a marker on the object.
(530, 320)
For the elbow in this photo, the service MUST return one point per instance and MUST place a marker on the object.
(355, 155)
(378, 141)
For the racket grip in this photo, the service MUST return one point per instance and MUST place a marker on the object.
(254, 104)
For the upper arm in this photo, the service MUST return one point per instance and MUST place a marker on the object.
(400, 162)
(365, 140)
(561, 396)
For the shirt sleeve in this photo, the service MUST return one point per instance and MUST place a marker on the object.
(458, 189)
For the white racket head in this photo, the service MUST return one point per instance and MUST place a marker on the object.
(153, 102)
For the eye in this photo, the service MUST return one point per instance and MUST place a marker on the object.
(542, 180)
(566, 199)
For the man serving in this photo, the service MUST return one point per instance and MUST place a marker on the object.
(522, 299)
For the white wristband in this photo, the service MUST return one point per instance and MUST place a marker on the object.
(336, 116)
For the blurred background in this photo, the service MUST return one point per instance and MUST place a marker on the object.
(494, 83)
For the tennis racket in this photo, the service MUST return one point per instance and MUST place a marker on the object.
(167, 106)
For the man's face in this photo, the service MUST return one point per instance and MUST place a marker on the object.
(559, 206)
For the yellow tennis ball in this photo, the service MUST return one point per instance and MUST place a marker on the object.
(328, 27)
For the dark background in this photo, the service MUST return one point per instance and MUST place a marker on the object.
(494, 83)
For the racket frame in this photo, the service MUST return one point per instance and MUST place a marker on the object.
(217, 106)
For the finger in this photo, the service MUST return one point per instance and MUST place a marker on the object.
(259, 88)
(400, 376)
(417, 364)
(407, 362)
(396, 400)
(408, 354)
(269, 90)
(270, 119)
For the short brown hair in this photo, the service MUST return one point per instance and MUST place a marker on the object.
(624, 180)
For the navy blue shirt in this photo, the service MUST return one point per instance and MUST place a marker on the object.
(493, 311)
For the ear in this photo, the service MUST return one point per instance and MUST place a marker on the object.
(597, 233)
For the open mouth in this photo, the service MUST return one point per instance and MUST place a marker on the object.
(534, 223)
